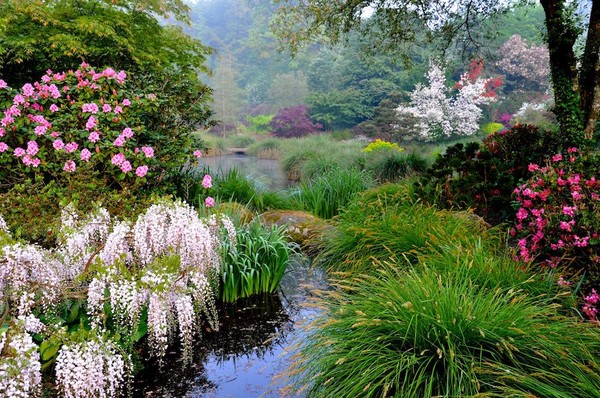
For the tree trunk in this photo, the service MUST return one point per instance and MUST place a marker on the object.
(562, 34)
(589, 80)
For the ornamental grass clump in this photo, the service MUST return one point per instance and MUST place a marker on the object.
(387, 221)
(327, 195)
(254, 263)
(425, 332)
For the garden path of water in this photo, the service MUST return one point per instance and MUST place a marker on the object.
(266, 173)
(254, 345)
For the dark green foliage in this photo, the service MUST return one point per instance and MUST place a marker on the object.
(328, 194)
(483, 176)
(255, 263)
(32, 209)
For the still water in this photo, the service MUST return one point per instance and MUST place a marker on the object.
(266, 173)
(253, 345)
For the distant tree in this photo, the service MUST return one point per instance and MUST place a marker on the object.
(227, 94)
(288, 89)
(384, 123)
(576, 80)
(528, 65)
(440, 115)
(338, 109)
(294, 122)
(260, 123)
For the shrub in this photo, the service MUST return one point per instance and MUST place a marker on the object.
(328, 194)
(266, 149)
(380, 145)
(483, 176)
(557, 222)
(293, 122)
(89, 121)
(426, 333)
(260, 123)
(254, 263)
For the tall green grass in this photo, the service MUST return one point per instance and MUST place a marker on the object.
(302, 158)
(431, 332)
(392, 166)
(255, 263)
(326, 195)
(388, 221)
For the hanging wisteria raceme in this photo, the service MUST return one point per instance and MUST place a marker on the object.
(163, 263)
(20, 368)
(92, 369)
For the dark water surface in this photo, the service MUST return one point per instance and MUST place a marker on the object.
(266, 173)
(252, 346)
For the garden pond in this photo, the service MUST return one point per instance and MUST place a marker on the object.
(265, 173)
(254, 345)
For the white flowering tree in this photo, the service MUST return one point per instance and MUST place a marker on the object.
(437, 111)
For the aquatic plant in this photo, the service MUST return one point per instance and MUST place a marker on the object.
(254, 263)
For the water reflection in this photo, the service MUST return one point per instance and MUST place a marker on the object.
(266, 173)
(251, 347)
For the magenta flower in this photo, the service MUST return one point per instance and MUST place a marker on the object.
(91, 123)
(69, 166)
(209, 201)
(207, 181)
(126, 166)
(106, 108)
(28, 90)
(119, 141)
(90, 108)
(141, 171)
(118, 109)
(118, 159)
(40, 130)
(19, 152)
(58, 145)
(148, 151)
(127, 132)
(53, 108)
(94, 136)
(32, 148)
(71, 147)
(126, 102)
(3, 147)
(197, 153)
(85, 155)
(557, 158)
(3, 84)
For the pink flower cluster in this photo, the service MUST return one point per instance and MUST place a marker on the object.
(109, 133)
(555, 218)
(590, 308)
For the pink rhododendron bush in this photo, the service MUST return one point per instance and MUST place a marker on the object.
(558, 221)
(76, 119)
(80, 314)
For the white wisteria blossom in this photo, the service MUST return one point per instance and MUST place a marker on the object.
(438, 114)
(20, 368)
(92, 369)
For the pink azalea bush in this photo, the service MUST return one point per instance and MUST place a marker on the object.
(558, 217)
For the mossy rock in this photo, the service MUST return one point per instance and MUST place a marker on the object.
(236, 211)
(473, 219)
(301, 227)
